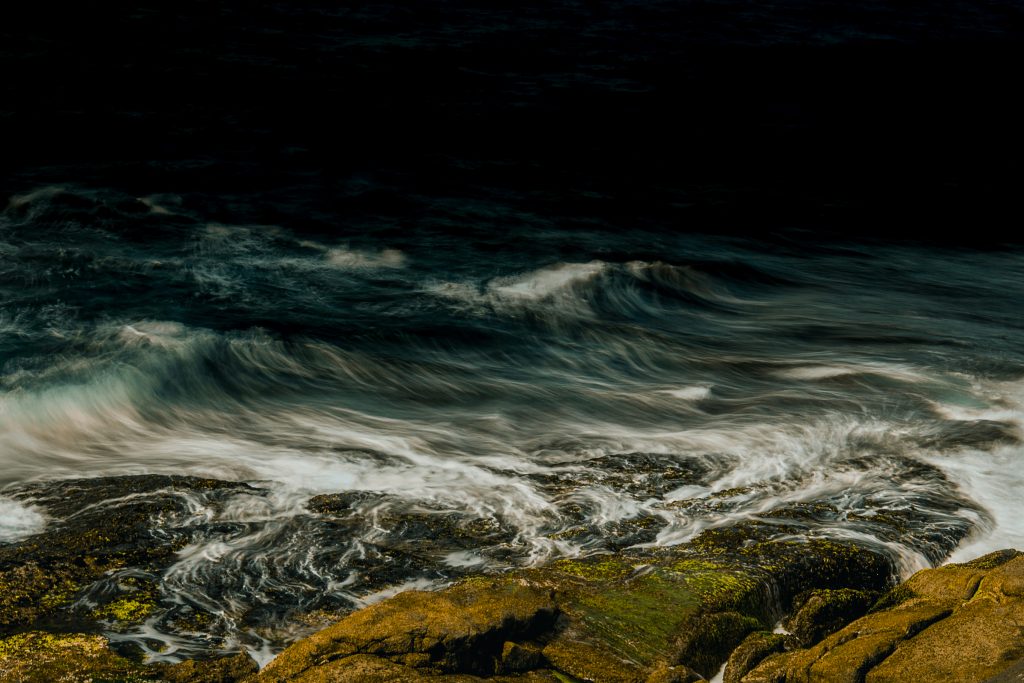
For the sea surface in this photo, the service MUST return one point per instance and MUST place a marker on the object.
(511, 284)
(551, 386)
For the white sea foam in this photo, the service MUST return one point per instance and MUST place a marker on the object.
(545, 282)
(994, 477)
(344, 257)
(162, 204)
(694, 393)
(21, 200)
(18, 521)
(557, 292)
(898, 372)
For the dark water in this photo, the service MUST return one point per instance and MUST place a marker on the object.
(523, 283)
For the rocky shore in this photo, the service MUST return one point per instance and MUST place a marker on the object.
(752, 598)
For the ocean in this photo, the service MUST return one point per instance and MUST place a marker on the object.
(510, 284)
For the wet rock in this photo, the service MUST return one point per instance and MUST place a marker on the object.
(100, 526)
(674, 674)
(620, 617)
(955, 623)
(462, 630)
(615, 535)
(405, 542)
(822, 612)
(642, 475)
(516, 658)
(231, 669)
(708, 640)
(338, 503)
(37, 657)
(751, 652)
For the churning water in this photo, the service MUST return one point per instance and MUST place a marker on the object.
(534, 396)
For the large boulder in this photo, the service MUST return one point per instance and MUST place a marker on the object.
(462, 630)
(961, 622)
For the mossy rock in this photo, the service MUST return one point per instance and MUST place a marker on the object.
(821, 612)
(710, 638)
(619, 617)
(517, 658)
(230, 669)
(37, 657)
(751, 652)
(680, 673)
(960, 622)
(460, 630)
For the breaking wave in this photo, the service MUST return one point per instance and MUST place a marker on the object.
(409, 410)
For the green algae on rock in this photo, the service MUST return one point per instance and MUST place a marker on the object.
(460, 630)
(751, 652)
(607, 618)
(37, 657)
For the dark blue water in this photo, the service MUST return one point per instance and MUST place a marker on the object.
(520, 282)
(554, 385)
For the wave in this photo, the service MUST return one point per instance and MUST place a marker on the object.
(18, 521)
(412, 415)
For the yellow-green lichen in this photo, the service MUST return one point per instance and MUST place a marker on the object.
(565, 678)
(896, 596)
(62, 592)
(637, 619)
(692, 565)
(37, 657)
(595, 569)
(126, 609)
(720, 587)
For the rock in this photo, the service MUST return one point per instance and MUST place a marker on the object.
(588, 662)
(955, 623)
(823, 612)
(462, 630)
(710, 638)
(338, 503)
(978, 640)
(751, 652)
(359, 669)
(36, 657)
(409, 542)
(1014, 674)
(674, 674)
(100, 527)
(516, 658)
(231, 669)
(619, 617)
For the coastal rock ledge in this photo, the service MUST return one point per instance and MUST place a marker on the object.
(640, 615)
(675, 617)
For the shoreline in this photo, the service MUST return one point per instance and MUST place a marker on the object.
(646, 615)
